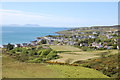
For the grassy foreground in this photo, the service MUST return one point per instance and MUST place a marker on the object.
(77, 72)
(15, 69)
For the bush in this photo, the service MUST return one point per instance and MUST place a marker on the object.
(45, 52)
(101, 48)
(39, 52)
(32, 55)
(12, 51)
(85, 48)
(10, 46)
(36, 60)
(115, 46)
(43, 41)
(107, 65)
(51, 55)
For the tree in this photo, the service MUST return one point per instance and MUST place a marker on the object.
(43, 41)
(77, 40)
(115, 46)
(10, 46)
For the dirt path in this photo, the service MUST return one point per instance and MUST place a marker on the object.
(71, 58)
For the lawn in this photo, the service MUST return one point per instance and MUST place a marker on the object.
(64, 48)
(15, 69)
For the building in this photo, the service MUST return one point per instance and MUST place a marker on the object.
(4, 46)
(24, 44)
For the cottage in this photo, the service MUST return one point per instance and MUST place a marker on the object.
(70, 43)
(94, 44)
(91, 36)
(18, 45)
(24, 44)
(81, 45)
(118, 47)
(94, 32)
(39, 38)
(34, 42)
(15, 45)
(4, 46)
(99, 46)
(109, 37)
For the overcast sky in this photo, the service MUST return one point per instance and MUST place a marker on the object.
(60, 14)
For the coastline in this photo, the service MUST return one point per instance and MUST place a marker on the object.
(30, 34)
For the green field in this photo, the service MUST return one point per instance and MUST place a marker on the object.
(64, 48)
(15, 69)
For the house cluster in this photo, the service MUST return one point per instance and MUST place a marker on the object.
(32, 43)
(99, 45)
(64, 41)
(69, 40)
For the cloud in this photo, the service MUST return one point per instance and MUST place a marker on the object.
(17, 17)
(3, 10)
(20, 17)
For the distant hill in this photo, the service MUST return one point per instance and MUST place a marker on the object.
(115, 26)
(18, 25)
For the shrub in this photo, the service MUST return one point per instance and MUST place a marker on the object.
(39, 52)
(43, 41)
(107, 65)
(115, 46)
(10, 46)
(51, 55)
(101, 48)
(36, 60)
(45, 52)
(85, 48)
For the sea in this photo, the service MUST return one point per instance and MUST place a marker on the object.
(17, 35)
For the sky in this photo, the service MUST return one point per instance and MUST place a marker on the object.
(60, 14)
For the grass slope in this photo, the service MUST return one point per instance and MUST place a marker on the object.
(15, 69)
(77, 72)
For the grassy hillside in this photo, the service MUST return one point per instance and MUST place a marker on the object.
(77, 72)
(15, 69)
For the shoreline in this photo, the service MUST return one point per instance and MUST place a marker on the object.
(55, 33)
